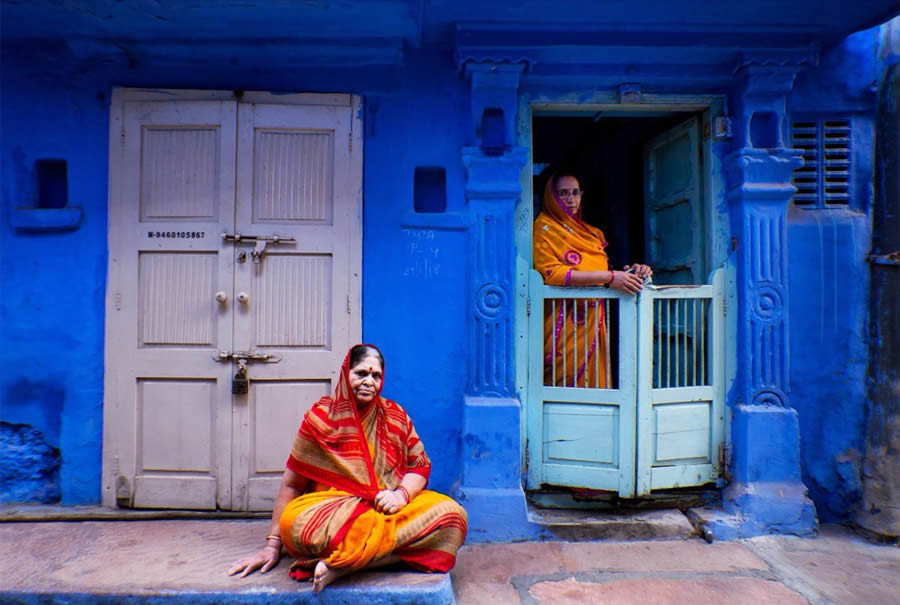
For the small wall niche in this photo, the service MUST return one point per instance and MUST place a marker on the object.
(52, 183)
(764, 130)
(430, 189)
(50, 210)
(493, 131)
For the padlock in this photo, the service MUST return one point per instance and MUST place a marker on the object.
(240, 385)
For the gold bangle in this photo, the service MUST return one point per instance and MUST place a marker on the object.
(273, 537)
(405, 492)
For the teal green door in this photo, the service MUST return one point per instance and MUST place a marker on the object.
(673, 212)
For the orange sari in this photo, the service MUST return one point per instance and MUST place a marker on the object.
(351, 454)
(575, 340)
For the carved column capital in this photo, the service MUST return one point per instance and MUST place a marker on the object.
(494, 86)
(761, 175)
(765, 79)
(490, 177)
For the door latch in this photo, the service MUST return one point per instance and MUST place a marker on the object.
(261, 242)
(245, 356)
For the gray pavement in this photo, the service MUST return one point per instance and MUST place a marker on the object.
(184, 561)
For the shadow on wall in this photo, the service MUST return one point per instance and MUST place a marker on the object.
(29, 466)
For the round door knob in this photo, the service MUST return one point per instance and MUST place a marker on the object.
(243, 297)
(221, 296)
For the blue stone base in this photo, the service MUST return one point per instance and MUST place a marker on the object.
(498, 515)
(491, 490)
(766, 493)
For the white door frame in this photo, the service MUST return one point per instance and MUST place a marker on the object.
(113, 440)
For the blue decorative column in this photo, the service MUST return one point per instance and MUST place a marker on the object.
(491, 488)
(766, 493)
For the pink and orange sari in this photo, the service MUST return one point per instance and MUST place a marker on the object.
(350, 455)
(563, 243)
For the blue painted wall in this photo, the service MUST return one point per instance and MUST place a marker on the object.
(51, 313)
(54, 104)
(830, 283)
(53, 307)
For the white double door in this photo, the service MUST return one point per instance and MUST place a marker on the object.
(185, 168)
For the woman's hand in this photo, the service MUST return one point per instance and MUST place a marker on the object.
(640, 270)
(263, 560)
(627, 282)
(389, 501)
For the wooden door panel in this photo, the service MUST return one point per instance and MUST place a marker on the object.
(168, 427)
(681, 432)
(180, 173)
(293, 175)
(276, 408)
(297, 179)
(293, 301)
(177, 298)
(581, 433)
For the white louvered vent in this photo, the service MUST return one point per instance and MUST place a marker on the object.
(824, 178)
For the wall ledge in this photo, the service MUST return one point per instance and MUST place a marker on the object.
(46, 220)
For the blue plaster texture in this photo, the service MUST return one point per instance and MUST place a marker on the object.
(829, 280)
(829, 289)
(417, 105)
(29, 467)
(765, 494)
(491, 442)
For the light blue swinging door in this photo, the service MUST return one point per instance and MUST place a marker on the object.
(581, 435)
(680, 388)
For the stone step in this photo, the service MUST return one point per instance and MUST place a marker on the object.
(582, 525)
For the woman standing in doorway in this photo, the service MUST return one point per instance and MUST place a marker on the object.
(569, 252)
(353, 494)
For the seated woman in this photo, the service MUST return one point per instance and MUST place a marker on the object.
(353, 495)
(569, 252)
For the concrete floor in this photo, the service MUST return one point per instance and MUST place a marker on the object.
(183, 561)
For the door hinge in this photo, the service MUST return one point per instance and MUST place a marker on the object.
(528, 306)
(123, 135)
(350, 138)
(118, 300)
(724, 459)
(348, 304)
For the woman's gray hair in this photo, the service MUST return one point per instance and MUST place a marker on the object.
(360, 352)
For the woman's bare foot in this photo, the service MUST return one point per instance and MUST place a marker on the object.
(324, 575)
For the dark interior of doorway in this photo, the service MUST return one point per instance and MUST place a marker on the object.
(606, 155)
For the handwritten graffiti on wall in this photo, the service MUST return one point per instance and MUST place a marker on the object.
(423, 255)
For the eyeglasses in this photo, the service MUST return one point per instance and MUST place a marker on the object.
(564, 193)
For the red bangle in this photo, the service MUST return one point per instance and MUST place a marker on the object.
(612, 277)
(405, 492)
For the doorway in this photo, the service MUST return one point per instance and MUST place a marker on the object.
(233, 291)
(659, 424)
